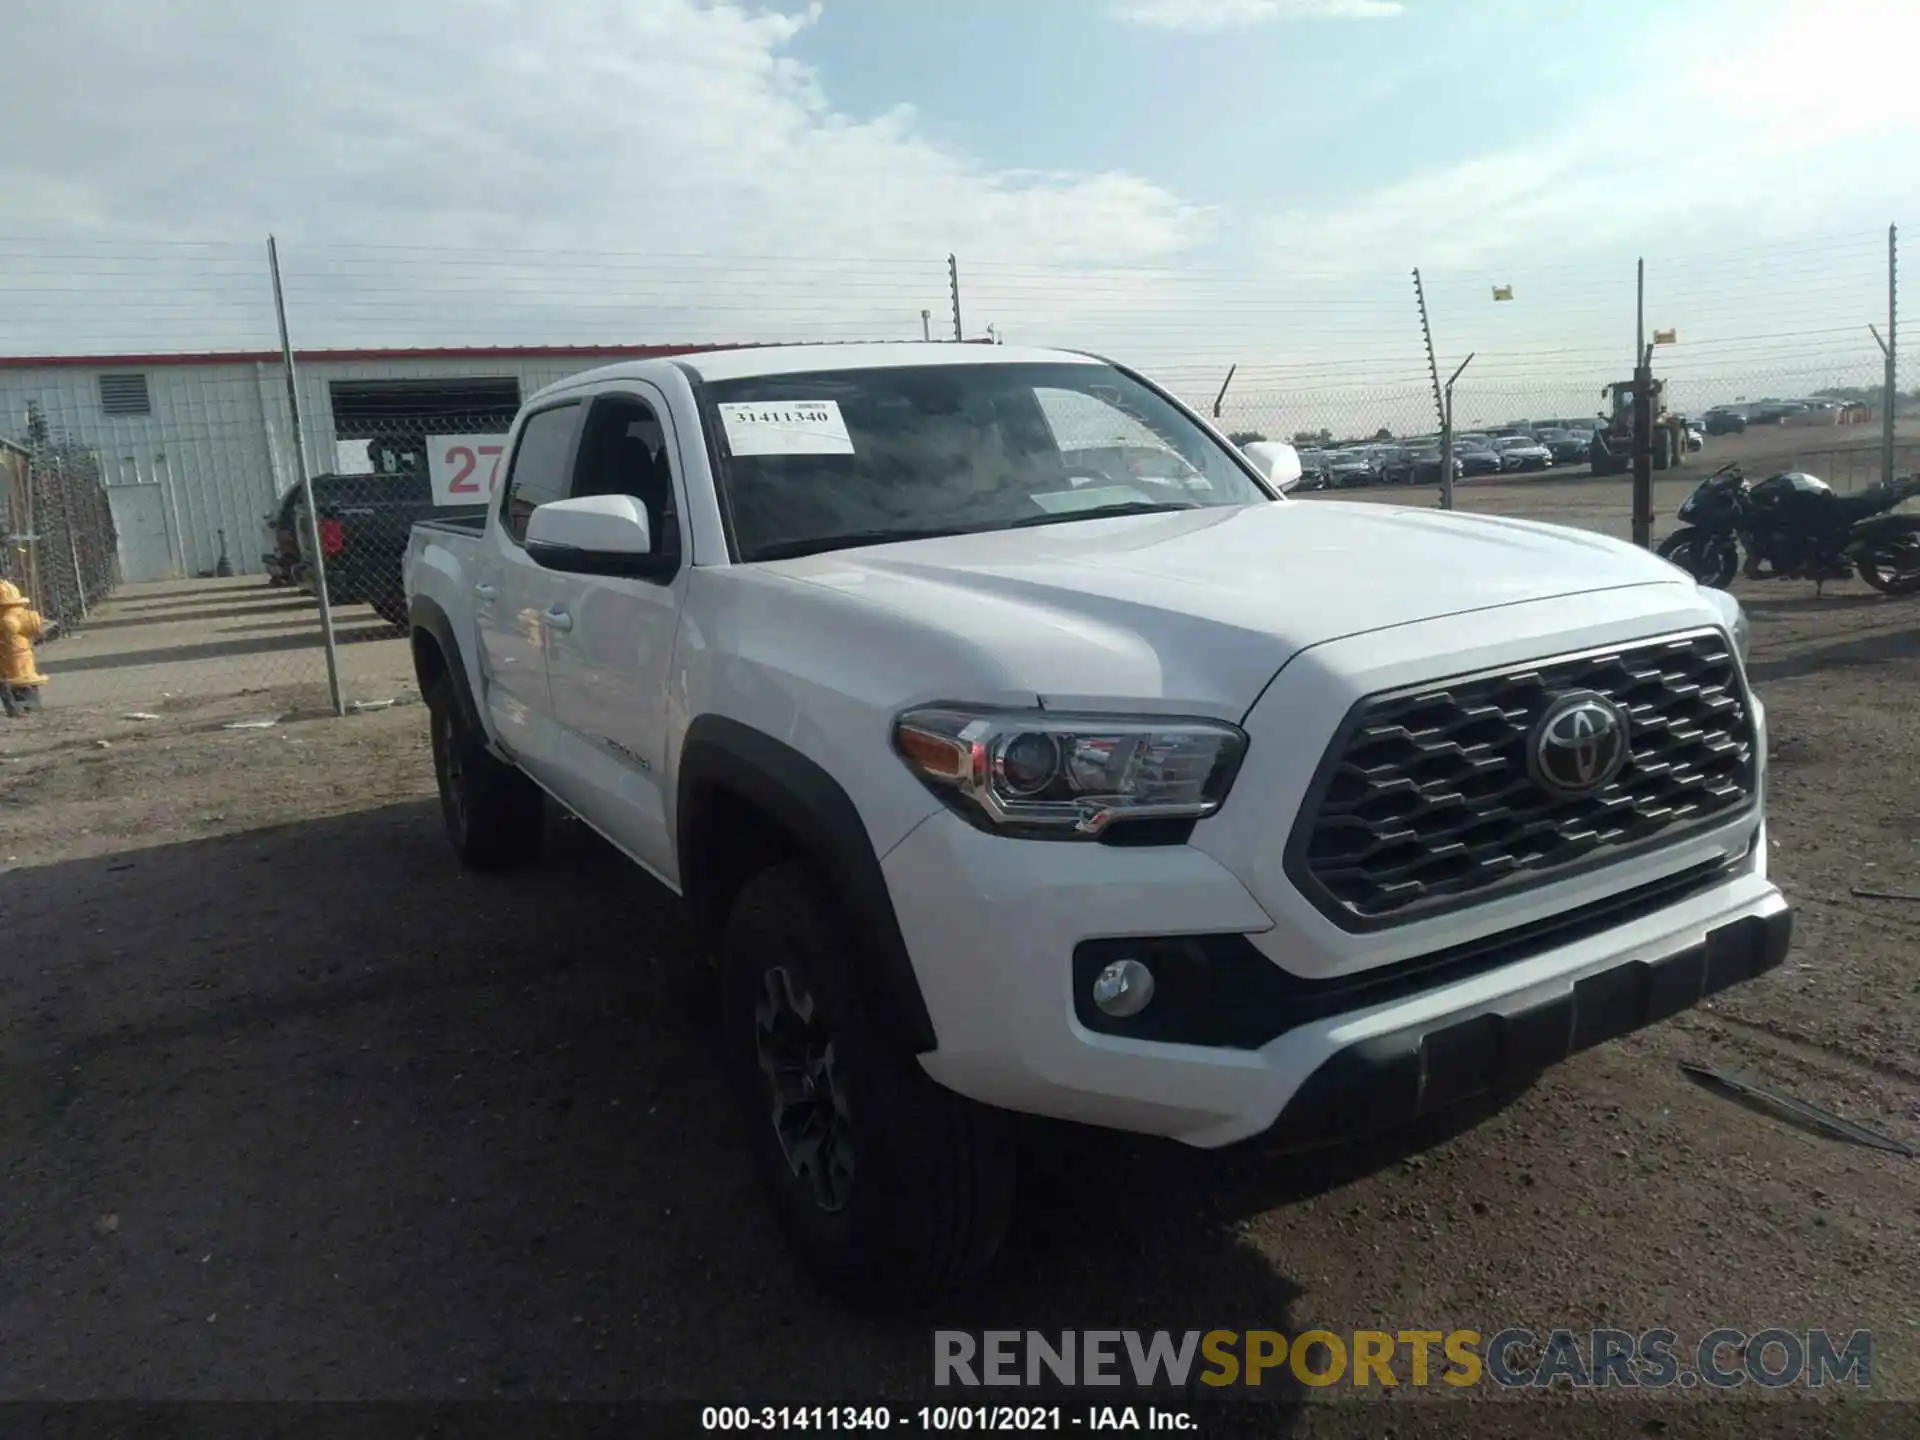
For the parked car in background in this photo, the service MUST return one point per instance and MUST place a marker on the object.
(282, 556)
(365, 522)
(1417, 465)
(1394, 464)
(1772, 412)
(1696, 437)
(1523, 452)
(1314, 474)
(1476, 456)
(1567, 446)
(1347, 469)
(1724, 420)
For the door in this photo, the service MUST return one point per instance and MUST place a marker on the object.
(610, 638)
(140, 528)
(510, 592)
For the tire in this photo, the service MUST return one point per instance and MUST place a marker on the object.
(1711, 559)
(494, 814)
(890, 1188)
(1893, 568)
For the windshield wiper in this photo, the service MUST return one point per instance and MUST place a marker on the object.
(818, 544)
(1100, 512)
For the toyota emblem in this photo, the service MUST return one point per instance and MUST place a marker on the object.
(1579, 745)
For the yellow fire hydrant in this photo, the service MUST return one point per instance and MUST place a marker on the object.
(20, 626)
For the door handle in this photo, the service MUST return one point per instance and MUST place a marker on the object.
(483, 590)
(558, 619)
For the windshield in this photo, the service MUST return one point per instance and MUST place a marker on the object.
(824, 460)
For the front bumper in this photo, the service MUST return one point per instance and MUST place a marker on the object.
(1415, 1071)
(992, 924)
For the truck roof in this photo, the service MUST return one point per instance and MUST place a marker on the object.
(750, 361)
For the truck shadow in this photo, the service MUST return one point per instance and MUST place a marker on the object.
(1877, 648)
(307, 1112)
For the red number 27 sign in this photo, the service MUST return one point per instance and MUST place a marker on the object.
(463, 467)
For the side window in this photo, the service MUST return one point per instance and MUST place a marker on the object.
(623, 451)
(539, 471)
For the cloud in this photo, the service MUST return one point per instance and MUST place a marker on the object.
(1210, 16)
(670, 128)
(1772, 123)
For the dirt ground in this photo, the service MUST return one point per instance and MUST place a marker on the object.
(294, 1108)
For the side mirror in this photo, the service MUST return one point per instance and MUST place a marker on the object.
(1277, 461)
(593, 535)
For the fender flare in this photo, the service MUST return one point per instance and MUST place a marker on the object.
(793, 791)
(425, 617)
(1882, 527)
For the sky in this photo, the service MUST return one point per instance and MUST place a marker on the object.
(1188, 184)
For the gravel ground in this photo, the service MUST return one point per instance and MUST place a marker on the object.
(293, 1108)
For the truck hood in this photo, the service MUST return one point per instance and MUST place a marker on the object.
(1197, 610)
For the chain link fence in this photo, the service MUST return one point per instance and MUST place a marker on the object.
(166, 534)
(391, 471)
(60, 548)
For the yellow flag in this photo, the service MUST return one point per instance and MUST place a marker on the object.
(1503, 292)
(1665, 337)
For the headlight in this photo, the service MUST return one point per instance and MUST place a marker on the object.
(1071, 776)
(1733, 617)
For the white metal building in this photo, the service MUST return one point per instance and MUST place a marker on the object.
(197, 448)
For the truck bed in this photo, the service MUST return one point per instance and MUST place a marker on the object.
(467, 525)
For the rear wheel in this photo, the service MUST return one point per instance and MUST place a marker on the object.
(1893, 566)
(494, 814)
(890, 1187)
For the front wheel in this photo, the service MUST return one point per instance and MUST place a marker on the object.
(1893, 566)
(494, 814)
(890, 1188)
(1711, 559)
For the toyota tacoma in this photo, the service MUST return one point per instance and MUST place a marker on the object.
(1018, 747)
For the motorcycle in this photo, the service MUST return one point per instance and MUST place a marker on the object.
(1793, 526)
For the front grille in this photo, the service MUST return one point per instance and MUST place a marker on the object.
(1424, 801)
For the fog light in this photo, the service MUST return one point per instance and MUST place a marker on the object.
(1123, 988)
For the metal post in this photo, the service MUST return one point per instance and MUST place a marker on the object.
(1639, 308)
(1643, 450)
(1892, 395)
(306, 486)
(1223, 390)
(31, 530)
(73, 544)
(926, 325)
(953, 284)
(1426, 334)
(1446, 437)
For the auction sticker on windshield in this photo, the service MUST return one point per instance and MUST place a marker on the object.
(786, 427)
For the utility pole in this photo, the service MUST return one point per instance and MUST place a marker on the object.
(306, 486)
(1446, 437)
(1643, 450)
(1639, 308)
(926, 325)
(953, 284)
(1892, 396)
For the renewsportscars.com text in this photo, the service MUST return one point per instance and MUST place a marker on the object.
(1515, 1358)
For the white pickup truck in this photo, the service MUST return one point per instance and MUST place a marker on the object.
(1019, 747)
